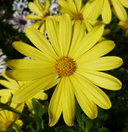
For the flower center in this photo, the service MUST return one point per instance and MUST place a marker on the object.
(65, 66)
(23, 22)
(78, 16)
(45, 14)
(7, 123)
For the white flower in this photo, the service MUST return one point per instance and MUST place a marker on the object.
(19, 5)
(2, 62)
(26, 57)
(1, 13)
(53, 8)
(54, 1)
(42, 1)
(19, 21)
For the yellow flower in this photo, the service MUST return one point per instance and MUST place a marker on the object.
(124, 26)
(41, 13)
(103, 7)
(76, 10)
(7, 117)
(13, 86)
(74, 61)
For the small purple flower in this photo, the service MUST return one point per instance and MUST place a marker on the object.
(19, 21)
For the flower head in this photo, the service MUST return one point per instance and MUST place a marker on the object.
(42, 12)
(19, 21)
(74, 61)
(124, 26)
(8, 117)
(13, 86)
(19, 5)
(2, 62)
(103, 7)
(76, 10)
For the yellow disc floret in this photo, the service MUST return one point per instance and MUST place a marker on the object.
(78, 16)
(65, 66)
(7, 123)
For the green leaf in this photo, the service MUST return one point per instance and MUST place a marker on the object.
(9, 130)
(7, 107)
(48, 130)
(103, 129)
(78, 113)
(35, 105)
(89, 124)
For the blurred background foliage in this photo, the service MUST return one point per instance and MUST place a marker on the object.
(113, 120)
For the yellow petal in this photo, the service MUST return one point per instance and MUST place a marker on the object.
(106, 31)
(29, 103)
(3, 114)
(93, 92)
(5, 98)
(124, 3)
(38, 39)
(56, 104)
(65, 32)
(32, 88)
(46, 4)
(8, 85)
(102, 64)
(19, 107)
(78, 5)
(28, 64)
(52, 30)
(87, 105)
(19, 122)
(119, 10)
(41, 95)
(2, 120)
(33, 17)
(13, 82)
(94, 9)
(72, 6)
(34, 8)
(37, 24)
(78, 33)
(28, 74)
(88, 26)
(53, 83)
(7, 92)
(68, 102)
(43, 28)
(89, 40)
(38, 4)
(63, 10)
(31, 52)
(106, 12)
(97, 51)
(65, 5)
(123, 24)
(101, 79)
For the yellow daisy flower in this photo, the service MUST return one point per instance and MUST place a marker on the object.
(74, 60)
(103, 7)
(124, 26)
(76, 10)
(13, 86)
(7, 117)
(42, 12)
